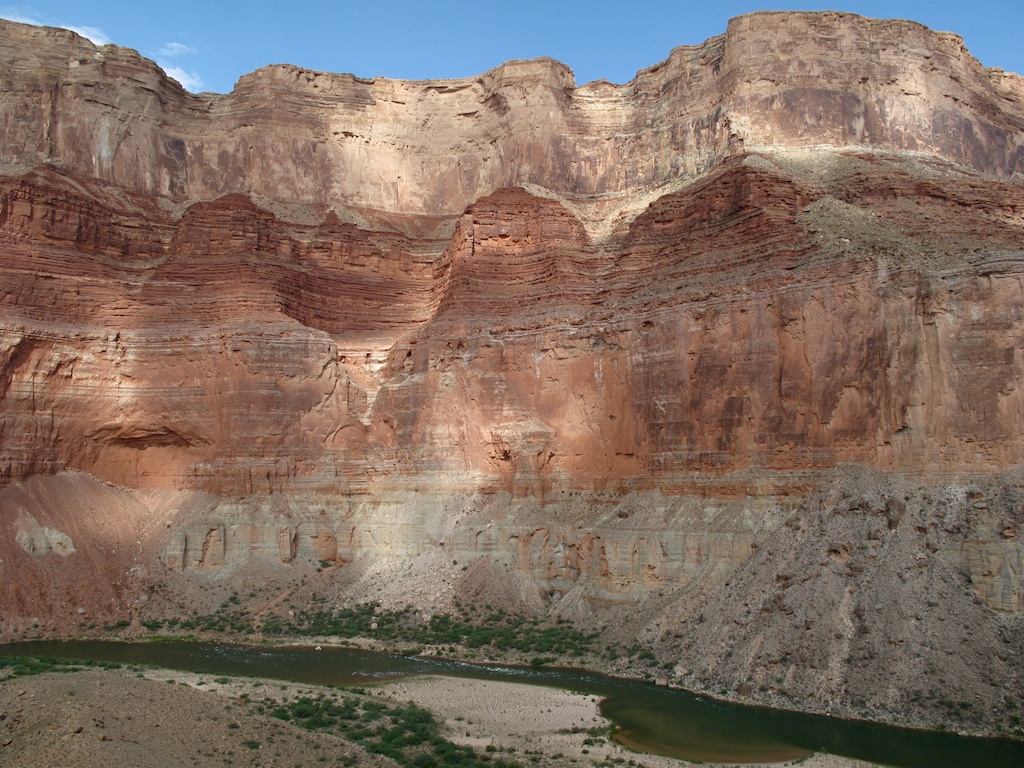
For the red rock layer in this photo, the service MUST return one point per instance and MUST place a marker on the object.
(753, 323)
(761, 320)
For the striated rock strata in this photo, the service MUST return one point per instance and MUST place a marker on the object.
(732, 351)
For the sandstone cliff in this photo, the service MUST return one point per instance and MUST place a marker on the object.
(745, 330)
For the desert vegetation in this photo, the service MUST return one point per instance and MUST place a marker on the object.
(408, 734)
(495, 631)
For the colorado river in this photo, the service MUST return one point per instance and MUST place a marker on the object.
(653, 719)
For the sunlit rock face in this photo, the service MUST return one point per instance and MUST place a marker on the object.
(602, 350)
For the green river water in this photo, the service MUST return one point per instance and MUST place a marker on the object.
(653, 719)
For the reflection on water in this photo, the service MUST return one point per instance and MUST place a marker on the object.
(676, 732)
(652, 719)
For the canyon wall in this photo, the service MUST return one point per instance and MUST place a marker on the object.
(754, 328)
(431, 148)
(728, 337)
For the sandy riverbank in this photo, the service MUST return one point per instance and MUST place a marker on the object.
(535, 719)
(537, 722)
(160, 718)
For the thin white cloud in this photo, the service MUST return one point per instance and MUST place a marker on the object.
(95, 35)
(173, 50)
(190, 81)
(12, 15)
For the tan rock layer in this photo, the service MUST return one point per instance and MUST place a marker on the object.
(772, 80)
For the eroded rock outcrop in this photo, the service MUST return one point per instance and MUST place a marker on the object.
(729, 355)
(885, 599)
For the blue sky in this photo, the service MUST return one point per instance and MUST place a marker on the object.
(208, 45)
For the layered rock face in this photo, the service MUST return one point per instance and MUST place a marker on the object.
(605, 351)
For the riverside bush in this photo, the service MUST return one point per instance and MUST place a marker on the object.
(408, 734)
(496, 631)
(23, 666)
